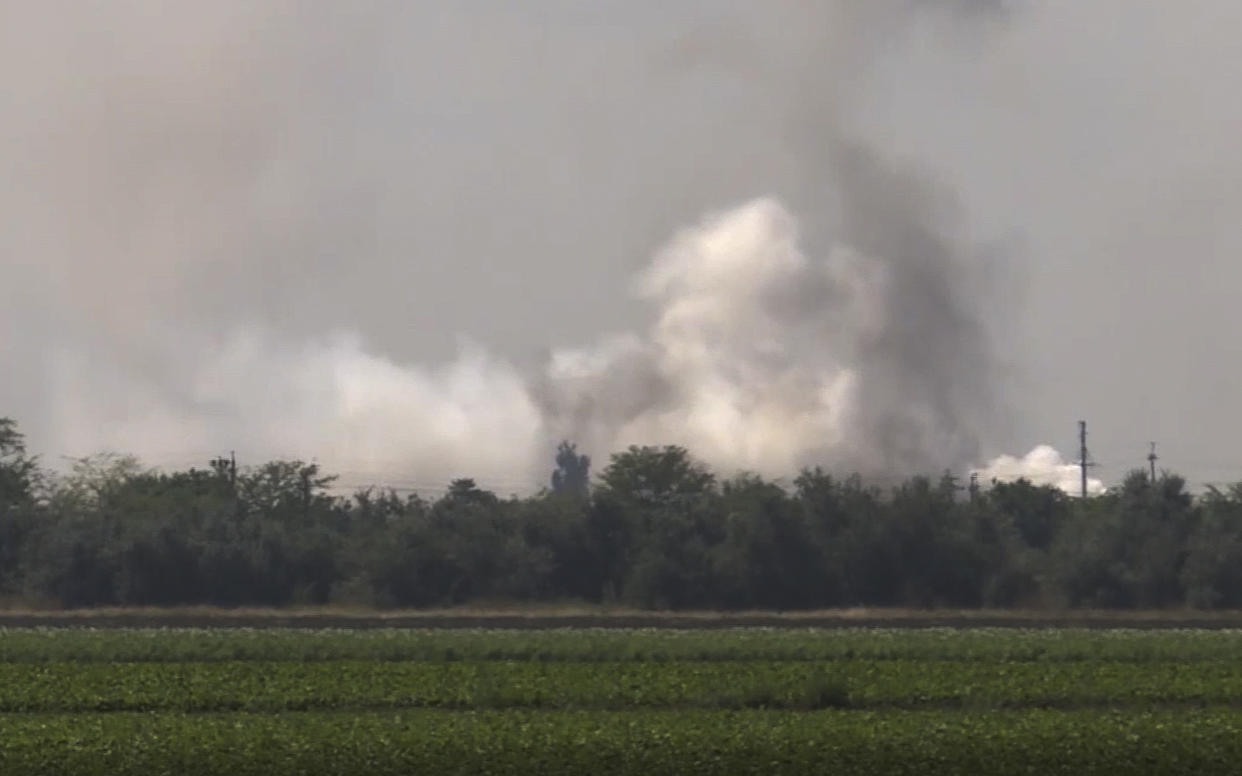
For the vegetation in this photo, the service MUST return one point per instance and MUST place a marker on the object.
(940, 701)
(935, 742)
(657, 645)
(264, 686)
(654, 529)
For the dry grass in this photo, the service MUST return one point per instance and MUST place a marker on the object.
(583, 615)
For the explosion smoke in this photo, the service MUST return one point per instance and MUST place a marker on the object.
(760, 359)
(1041, 466)
(234, 230)
(765, 360)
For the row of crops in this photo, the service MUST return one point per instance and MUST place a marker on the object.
(153, 701)
(601, 744)
(130, 645)
(372, 686)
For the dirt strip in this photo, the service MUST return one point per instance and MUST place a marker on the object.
(517, 619)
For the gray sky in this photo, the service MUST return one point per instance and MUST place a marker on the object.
(232, 183)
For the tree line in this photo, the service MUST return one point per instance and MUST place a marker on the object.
(653, 529)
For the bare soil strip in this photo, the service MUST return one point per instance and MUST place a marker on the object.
(547, 618)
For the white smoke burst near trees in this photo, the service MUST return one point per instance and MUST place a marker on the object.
(259, 241)
(1042, 466)
(734, 366)
(759, 358)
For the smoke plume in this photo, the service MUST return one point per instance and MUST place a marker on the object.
(262, 228)
(764, 359)
(759, 358)
(1041, 466)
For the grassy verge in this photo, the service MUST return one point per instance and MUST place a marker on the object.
(604, 743)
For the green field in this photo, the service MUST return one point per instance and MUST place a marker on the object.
(604, 701)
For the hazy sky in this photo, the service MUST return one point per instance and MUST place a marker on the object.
(233, 183)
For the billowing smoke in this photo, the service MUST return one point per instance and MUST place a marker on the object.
(760, 358)
(260, 228)
(1041, 466)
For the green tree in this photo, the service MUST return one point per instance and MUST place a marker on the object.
(92, 480)
(653, 522)
(19, 478)
(1212, 572)
(768, 557)
(1127, 548)
(572, 475)
(19, 472)
(851, 524)
(934, 543)
(555, 531)
(1035, 511)
(656, 476)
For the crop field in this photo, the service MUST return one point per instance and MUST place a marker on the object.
(619, 701)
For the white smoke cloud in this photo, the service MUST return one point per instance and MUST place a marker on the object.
(330, 400)
(188, 180)
(244, 227)
(751, 362)
(1042, 466)
(734, 369)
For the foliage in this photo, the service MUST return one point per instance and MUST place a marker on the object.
(657, 530)
(18, 471)
(19, 481)
(616, 645)
(638, 742)
(118, 701)
(265, 686)
(572, 475)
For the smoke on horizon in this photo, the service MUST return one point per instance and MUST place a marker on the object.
(759, 359)
(224, 240)
(1042, 466)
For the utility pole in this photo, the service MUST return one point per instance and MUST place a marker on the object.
(1151, 459)
(1082, 454)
